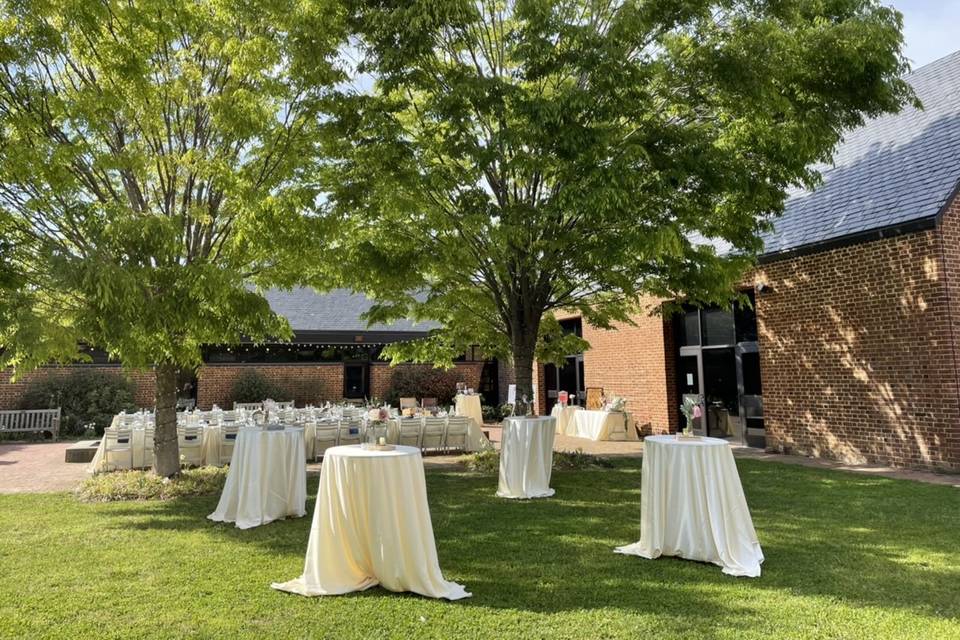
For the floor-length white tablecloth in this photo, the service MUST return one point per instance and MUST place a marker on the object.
(267, 480)
(526, 457)
(692, 506)
(592, 424)
(371, 525)
(469, 406)
(564, 416)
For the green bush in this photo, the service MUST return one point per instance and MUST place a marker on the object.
(496, 414)
(423, 382)
(86, 397)
(483, 461)
(145, 485)
(253, 387)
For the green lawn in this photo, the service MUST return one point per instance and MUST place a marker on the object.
(847, 556)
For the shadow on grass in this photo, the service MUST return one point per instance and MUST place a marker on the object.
(867, 541)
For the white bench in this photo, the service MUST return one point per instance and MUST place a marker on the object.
(31, 421)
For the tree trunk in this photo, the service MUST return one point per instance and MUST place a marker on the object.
(166, 449)
(523, 375)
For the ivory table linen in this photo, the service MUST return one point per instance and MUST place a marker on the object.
(469, 406)
(371, 525)
(564, 416)
(592, 424)
(692, 506)
(267, 479)
(526, 457)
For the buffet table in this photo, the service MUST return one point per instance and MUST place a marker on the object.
(593, 425)
(692, 506)
(371, 525)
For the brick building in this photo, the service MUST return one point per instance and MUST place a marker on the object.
(334, 355)
(851, 348)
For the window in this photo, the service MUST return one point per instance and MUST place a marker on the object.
(688, 326)
(746, 320)
(718, 327)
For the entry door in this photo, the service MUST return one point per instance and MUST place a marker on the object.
(691, 386)
(355, 380)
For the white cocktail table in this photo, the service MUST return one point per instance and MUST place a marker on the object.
(692, 506)
(371, 525)
(267, 479)
(526, 457)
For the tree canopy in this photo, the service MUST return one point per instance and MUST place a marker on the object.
(503, 160)
(156, 165)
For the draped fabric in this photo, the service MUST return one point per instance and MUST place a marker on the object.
(593, 425)
(526, 457)
(692, 506)
(371, 525)
(267, 480)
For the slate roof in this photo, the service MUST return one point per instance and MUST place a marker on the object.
(894, 170)
(335, 311)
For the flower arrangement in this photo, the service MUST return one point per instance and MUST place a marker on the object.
(616, 403)
(691, 411)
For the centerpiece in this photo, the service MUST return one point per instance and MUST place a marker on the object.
(691, 411)
(376, 432)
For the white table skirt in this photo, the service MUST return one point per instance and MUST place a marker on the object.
(371, 525)
(526, 457)
(593, 425)
(267, 480)
(692, 506)
(469, 406)
(564, 416)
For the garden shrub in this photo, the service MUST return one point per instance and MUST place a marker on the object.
(423, 382)
(489, 461)
(146, 485)
(86, 397)
(251, 386)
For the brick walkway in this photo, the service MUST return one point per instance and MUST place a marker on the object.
(40, 467)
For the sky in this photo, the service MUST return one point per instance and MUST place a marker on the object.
(929, 29)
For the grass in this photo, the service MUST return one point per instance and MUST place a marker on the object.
(848, 556)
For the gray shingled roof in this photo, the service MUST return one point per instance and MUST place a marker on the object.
(337, 310)
(893, 170)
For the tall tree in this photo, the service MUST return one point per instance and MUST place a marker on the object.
(503, 159)
(155, 162)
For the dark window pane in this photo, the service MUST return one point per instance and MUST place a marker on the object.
(718, 327)
(751, 374)
(747, 321)
(688, 328)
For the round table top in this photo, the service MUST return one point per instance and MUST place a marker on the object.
(674, 440)
(357, 451)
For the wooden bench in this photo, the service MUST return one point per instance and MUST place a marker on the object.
(31, 421)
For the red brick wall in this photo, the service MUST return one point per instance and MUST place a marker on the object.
(857, 353)
(382, 374)
(11, 392)
(636, 363)
(304, 383)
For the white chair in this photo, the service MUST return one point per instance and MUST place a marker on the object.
(432, 434)
(326, 437)
(410, 431)
(248, 406)
(190, 440)
(456, 435)
(228, 438)
(285, 405)
(350, 412)
(118, 443)
(223, 417)
(148, 446)
(350, 431)
(408, 403)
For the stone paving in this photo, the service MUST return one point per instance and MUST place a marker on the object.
(40, 467)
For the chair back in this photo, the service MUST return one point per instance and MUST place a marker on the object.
(288, 404)
(456, 436)
(118, 447)
(248, 406)
(411, 429)
(148, 437)
(325, 436)
(190, 440)
(350, 431)
(433, 431)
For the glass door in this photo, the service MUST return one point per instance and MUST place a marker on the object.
(691, 374)
(355, 380)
